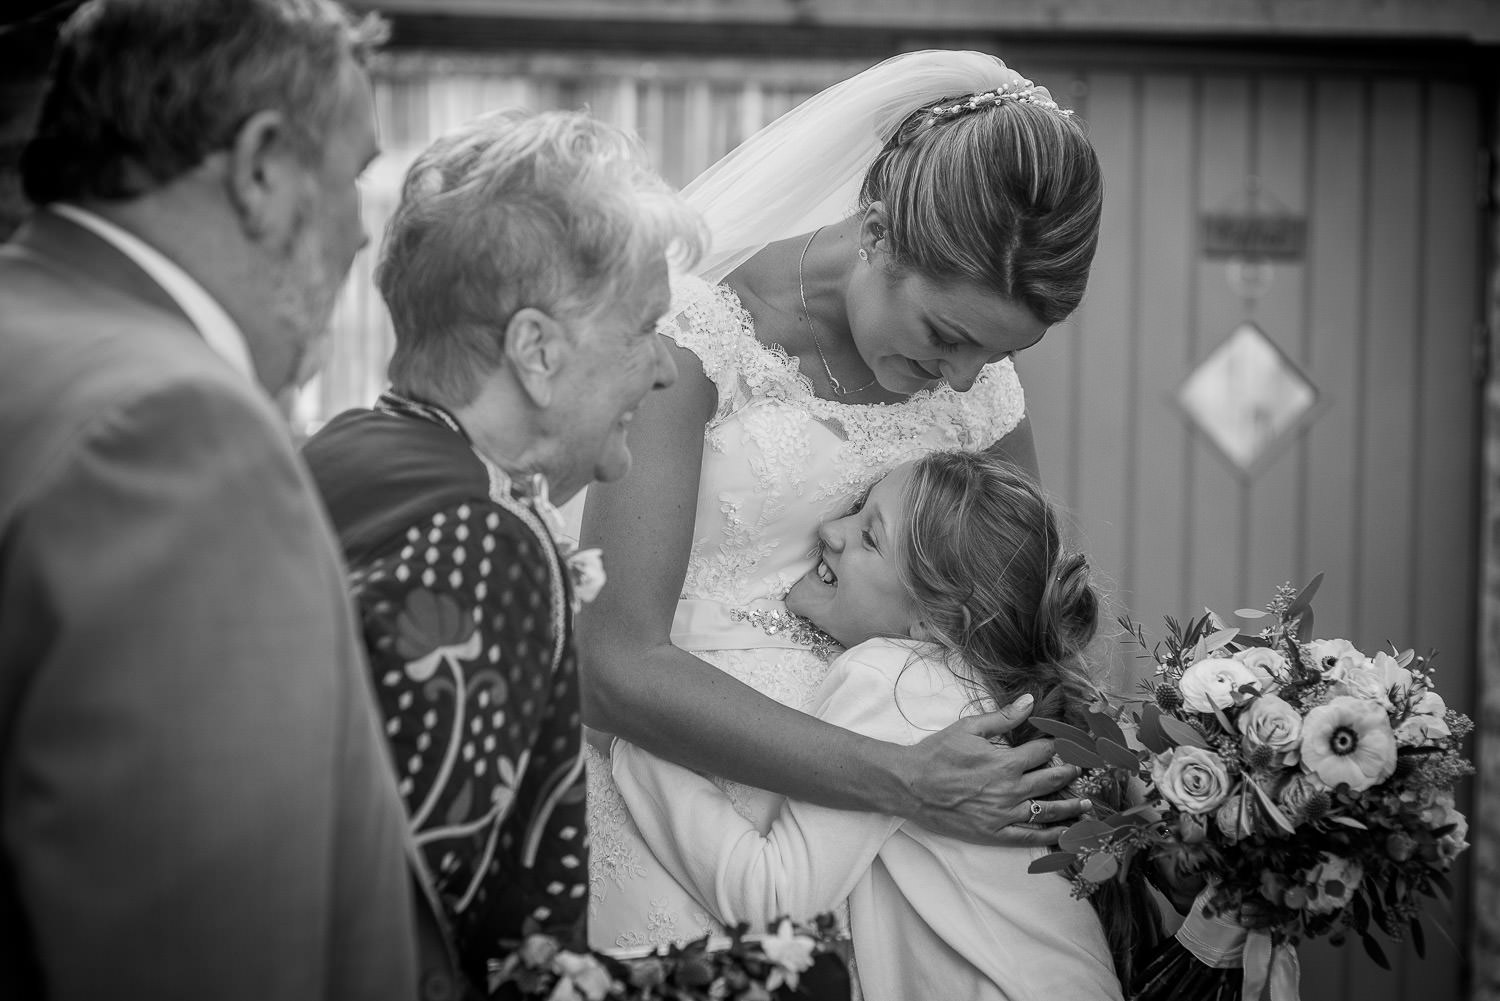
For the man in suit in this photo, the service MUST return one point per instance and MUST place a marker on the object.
(194, 796)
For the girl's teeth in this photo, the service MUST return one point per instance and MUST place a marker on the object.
(826, 574)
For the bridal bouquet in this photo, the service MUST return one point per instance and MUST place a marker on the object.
(793, 961)
(1307, 784)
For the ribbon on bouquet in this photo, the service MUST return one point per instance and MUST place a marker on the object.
(1272, 972)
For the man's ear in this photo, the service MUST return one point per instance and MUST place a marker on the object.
(264, 177)
(536, 349)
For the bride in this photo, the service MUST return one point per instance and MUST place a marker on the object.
(879, 254)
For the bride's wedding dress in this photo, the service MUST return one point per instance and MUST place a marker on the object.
(777, 461)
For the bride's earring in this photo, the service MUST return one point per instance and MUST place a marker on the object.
(864, 255)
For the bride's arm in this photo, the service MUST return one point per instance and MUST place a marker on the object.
(640, 687)
(811, 857)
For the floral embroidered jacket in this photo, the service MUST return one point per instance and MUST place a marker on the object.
(468, 628)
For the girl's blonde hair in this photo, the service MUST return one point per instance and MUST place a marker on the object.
(982, 557)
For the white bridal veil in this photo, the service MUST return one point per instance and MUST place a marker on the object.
(804, 170)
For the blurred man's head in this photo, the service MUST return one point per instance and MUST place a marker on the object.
(241, 121)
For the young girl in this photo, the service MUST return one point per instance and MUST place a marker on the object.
(950, 588)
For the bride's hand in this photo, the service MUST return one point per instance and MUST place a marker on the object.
(967, 787)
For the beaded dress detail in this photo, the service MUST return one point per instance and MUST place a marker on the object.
(777, 462)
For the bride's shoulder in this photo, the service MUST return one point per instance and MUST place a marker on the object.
(712, 322)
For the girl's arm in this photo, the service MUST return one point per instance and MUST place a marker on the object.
(812, 856)
(640, 687)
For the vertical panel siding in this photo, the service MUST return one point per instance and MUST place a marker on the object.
(1336, 320)
(1165, 251)
(1217, 551)
(1387, 485)
(1279, 166)
(1106, 336)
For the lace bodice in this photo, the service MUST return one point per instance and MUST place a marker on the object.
(778, 461)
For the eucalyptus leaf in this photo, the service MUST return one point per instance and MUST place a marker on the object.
(1215, 640)
(1100, 868)
(1180, 733)
(1304, 598)
(1118, 755)
(1076, 754)
(1305, 627)
(1145, 811)
(1059, 729)
(1084, 834)
(1418, 938)
(1349, 822)
(1150, 732)
(1251, 613)
(1052, 862)
(1105, 728)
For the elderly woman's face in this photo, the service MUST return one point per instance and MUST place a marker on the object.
(619, 358)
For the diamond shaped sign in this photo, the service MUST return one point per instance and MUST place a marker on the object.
(1247, 397)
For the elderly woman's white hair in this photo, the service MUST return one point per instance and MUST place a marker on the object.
(556, 211)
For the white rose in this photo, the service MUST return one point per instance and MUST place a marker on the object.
(1272, 723)
(1270, 668)
(1426, 724)
(1363, 683)
(1214, 683)
(1391, 673)
(1190, 778)
(1334, 657)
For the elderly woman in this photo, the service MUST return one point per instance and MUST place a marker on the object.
(525, 270)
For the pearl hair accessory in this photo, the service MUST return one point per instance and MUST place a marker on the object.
(1022, 91)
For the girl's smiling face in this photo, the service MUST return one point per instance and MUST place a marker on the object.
(856, 591)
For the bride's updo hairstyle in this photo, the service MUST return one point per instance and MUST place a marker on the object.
(982, 557)
(1002, 190)
(557, 211)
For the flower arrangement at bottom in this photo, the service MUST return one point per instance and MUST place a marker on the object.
(794, 960)
(1306, 786)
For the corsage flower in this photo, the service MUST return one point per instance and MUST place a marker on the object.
(1348, 740)
(1190, 778)
(1214, 683)
(791, 953)
(586, 570)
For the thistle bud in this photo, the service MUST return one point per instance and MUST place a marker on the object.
(1168, 697)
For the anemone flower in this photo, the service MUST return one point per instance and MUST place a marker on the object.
(1348, 740)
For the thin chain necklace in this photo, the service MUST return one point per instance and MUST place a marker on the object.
(834, 384)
